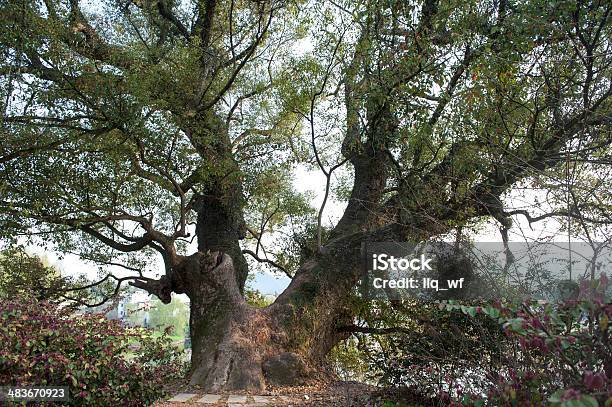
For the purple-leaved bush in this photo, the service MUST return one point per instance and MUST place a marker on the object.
(43, 344)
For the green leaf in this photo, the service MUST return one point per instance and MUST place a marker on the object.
(556, 396)
(589, 401)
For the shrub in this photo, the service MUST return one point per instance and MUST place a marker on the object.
(556, 354)
(527, 353)
(42, 344)
(416, 344)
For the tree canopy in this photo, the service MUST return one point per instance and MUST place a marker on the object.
(118, 115)
(112, 141)
(132, 127)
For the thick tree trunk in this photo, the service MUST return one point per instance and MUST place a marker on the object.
(221, 358)
(234, 345)
(237, 346)
(227, 343)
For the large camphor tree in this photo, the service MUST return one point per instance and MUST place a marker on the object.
(132, 127)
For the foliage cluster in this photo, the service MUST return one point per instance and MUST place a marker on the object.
(26, 274)
(43, 344)
(528, 353)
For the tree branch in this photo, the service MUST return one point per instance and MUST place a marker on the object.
(267, 261)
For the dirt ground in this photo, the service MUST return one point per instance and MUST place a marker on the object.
(335, 394)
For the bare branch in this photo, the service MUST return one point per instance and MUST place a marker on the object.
(267, 261)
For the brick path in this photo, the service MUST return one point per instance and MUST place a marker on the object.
(230, 400)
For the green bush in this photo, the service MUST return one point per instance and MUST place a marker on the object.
(530, 353)
(25, 274)
(30, 275)
(558, 354)
(43, 344)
